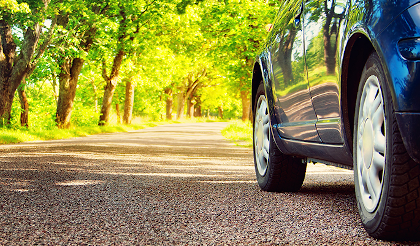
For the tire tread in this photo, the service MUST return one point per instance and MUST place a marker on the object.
(401, 219)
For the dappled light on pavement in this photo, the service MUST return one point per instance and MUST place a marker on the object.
(168, 185)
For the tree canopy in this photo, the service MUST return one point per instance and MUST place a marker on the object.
(95, 62)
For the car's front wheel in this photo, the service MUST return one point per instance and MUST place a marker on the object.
(274, 170)
(386, 179)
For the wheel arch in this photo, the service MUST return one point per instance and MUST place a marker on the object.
(357, 51)
(256, 79)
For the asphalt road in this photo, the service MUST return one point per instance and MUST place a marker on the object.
(168, 185)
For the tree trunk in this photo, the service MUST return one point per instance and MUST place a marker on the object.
(197, 109)
(13, 70)
(106, 102)
(111, 84)
(180, 107)
(70, 69)
(190, 108)
(129, 102)
(117, 108)
(24, 105)
(245, 105)
(169, 103)
(220, 112)
(69, 75)
(189, 90)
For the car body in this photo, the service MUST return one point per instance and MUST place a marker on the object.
(312, 78)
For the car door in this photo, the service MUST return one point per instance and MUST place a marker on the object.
(322, 19)
(292, 101)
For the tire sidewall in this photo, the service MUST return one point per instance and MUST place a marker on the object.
(372, 220)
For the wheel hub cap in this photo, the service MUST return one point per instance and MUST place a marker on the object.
(370, 144)
(261, 136)
(367, 143)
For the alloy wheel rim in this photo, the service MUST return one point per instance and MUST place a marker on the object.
(262, 135)
(371, 144)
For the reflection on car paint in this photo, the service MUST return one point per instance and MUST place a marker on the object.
(287, 51)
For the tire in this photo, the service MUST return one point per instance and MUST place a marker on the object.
(386, 178)
(274, 170)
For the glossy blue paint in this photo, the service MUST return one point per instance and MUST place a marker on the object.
(308, 112)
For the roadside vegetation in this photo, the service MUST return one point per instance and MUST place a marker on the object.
(76, 65)
(239, 132)
(18, 135)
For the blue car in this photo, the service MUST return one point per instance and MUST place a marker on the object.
(338, 82)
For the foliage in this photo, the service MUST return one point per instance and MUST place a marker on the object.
(166, 44)
(8, 136)
(239, 132)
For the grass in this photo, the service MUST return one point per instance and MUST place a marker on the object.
(10, 136)
(239, 132)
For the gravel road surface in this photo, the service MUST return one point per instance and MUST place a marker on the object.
(168, 185)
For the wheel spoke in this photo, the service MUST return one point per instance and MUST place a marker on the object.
(266, 144)
(261, 110)
(262, 162)
(378, 162)
(370, 185)
(380, 142)
(375, 182)
(378, 117)
(266, 127)
(265, 154)
(377, 101)
(365, 108)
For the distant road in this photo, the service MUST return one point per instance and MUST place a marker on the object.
(167, 185)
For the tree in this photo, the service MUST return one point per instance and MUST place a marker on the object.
(79, 23)
(236, 32)
(132, 16)
(186, 89)
(19, 55)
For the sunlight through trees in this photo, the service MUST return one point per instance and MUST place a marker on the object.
(90, 62)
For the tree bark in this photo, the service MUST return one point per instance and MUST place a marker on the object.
(169, 103)
(111, 84)
(180, 106)
(220, 112)
(190, 108)
(117, 108)
(129, 102)
(245, 105)
(24, 105)
(106, 102)
(197, 109)
(68, 77)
